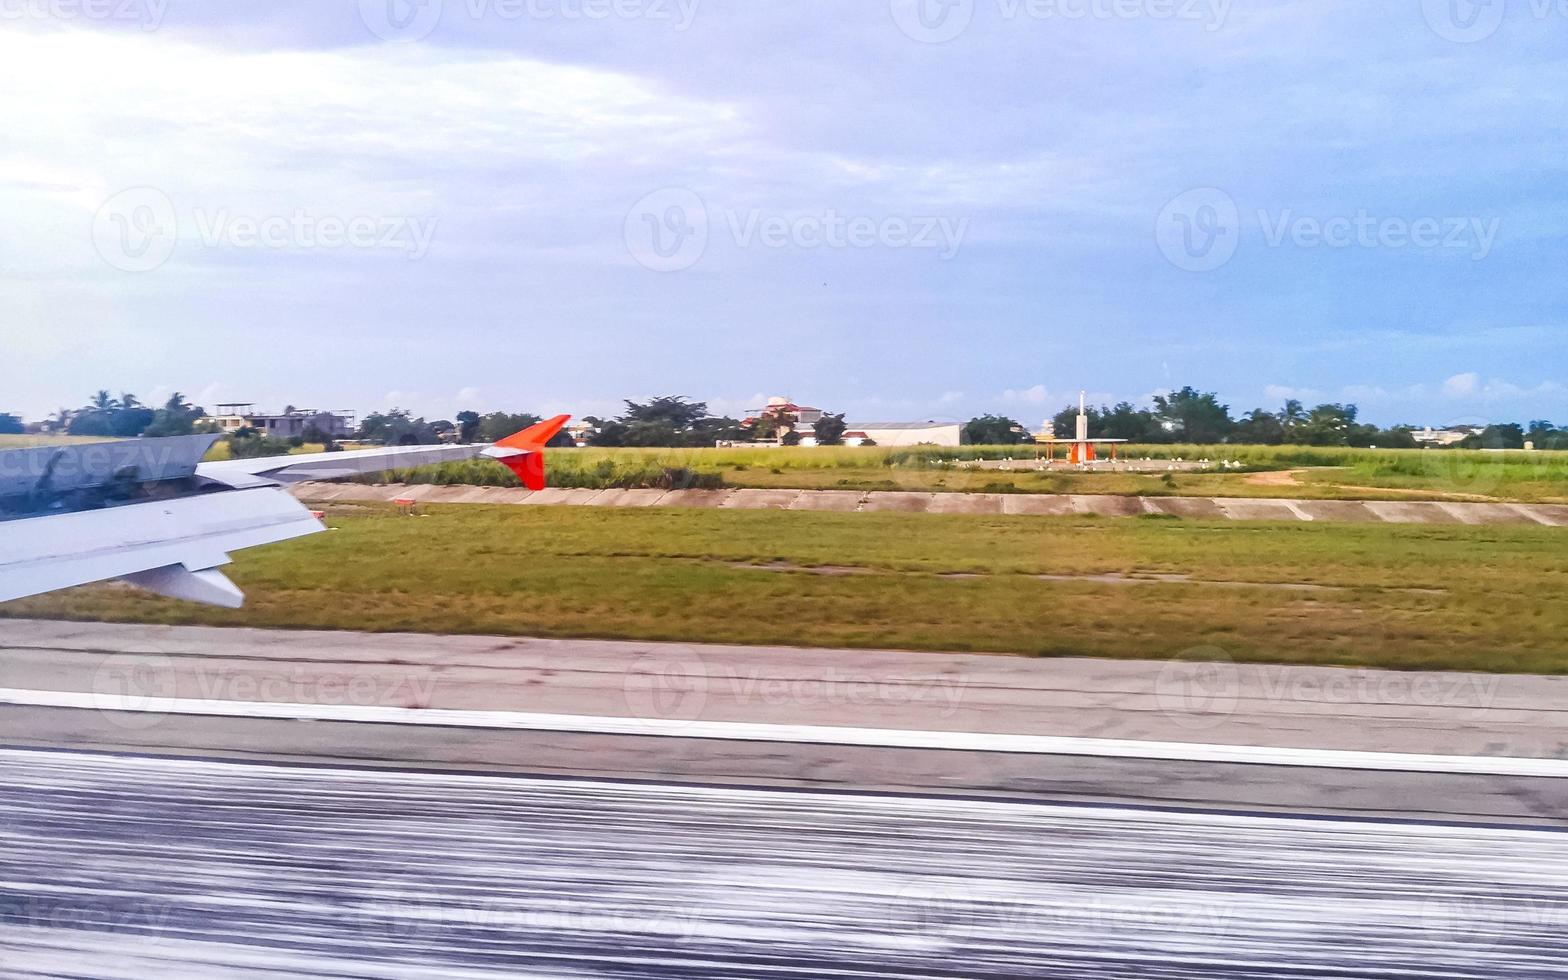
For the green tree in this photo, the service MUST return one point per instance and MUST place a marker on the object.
(124, 417)
(468, 424)
(498, 425)
(830, 430)
(994, 430)
(397, 427)
(1506, 436)
(1194, 416)
(11, 425)
(1260, 428)
(1065, 422)
(247, 443)
(1126, 421)
(1325, 425)
(177, 417)
(675, 411)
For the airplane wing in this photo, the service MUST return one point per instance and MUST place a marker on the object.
(149, 511)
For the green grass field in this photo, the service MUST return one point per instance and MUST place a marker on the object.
(1303, 472)
(29, 442)
(1444, 597)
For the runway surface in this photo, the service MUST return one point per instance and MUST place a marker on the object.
(115, 866)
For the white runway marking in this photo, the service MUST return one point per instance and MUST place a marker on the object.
(803, 734)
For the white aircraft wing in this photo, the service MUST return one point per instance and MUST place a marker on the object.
(332, 466)
(150, 512)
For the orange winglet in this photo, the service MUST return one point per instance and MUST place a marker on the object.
(535, 436)
(523, 452)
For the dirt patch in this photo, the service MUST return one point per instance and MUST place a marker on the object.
(1275, 478)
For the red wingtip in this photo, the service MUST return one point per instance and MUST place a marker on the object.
(529, 465)
(535, 436)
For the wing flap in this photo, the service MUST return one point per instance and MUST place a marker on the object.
(42, 554)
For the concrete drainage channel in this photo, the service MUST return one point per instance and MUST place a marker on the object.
(983, 504)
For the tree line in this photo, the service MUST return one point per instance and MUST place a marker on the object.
(1184, 416)
(1192, 416)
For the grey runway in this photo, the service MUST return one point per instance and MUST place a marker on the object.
(125, 867)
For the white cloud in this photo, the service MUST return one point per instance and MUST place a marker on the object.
(1284, 393)
(1462, 385)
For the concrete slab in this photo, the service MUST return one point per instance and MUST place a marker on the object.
(1107, 506)
(1189, 508)
(561, 496)
(897, 502)
(1341, 511)
(1555, 515)
(628, 498)
(704, 499)
(969, 503)
(1409, 512)
(1038, 506)
(901, 502)
(835, 501)
(1257, 510)
(762, 499)
(1487, 514)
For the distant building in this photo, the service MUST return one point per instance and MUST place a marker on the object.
(904, 433)
(800, 419)
(581, 432)
(1450, 436)
(289, 424)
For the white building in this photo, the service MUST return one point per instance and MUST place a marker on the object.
(1450, 436)
(904, 433)
(292, 424)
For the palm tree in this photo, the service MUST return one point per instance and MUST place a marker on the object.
(177, 403)
(128, 400)
(102, 402)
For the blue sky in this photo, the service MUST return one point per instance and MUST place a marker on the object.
(894, 208)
